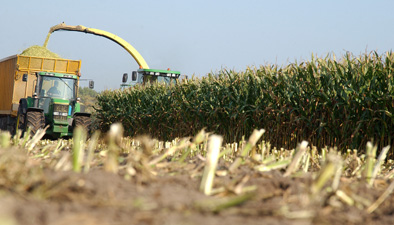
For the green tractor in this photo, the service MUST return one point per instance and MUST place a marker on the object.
(41, 92)
(55, 105)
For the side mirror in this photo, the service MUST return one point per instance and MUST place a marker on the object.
(91, 84)
(125, 77)
(24, 77)
(134, 76)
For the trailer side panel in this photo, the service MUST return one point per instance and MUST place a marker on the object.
(7, 73)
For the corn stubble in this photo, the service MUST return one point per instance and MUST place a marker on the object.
(143, 158)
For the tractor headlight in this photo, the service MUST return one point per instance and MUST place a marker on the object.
(59, 113)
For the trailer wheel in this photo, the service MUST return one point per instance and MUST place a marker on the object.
(20, 122)
(34, 120)
(82, 121)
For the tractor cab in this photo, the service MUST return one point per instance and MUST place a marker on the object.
(55, 87)
(148, 76)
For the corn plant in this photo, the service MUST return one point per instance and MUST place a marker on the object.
(325, 101)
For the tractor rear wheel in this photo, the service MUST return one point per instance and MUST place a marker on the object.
(82, 121)
(34, 120)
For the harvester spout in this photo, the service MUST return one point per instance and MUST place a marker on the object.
(130, 49)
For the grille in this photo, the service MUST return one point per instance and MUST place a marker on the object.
(60, 112)
(60, 108)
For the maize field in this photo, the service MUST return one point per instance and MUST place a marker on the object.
(336, 103)
(308, 143)
(111, 179)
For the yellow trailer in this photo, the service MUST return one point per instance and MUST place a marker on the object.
(15, 69)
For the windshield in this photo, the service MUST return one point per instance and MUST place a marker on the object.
(57, 87)
(152, 79)
(167, 80)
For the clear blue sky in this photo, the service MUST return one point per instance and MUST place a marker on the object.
(196, 37)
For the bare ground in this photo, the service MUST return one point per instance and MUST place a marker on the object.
(172, 196)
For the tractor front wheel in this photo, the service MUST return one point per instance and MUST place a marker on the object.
(34, 120)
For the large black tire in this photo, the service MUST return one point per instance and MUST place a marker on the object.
(34, 120)
(20, 122)
(22, 118)
(82, 121)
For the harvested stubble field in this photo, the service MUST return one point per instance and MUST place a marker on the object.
(116, 180)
